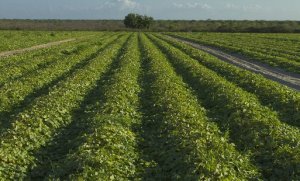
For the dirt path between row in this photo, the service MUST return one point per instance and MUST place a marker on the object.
(46, 45)
(289, 79)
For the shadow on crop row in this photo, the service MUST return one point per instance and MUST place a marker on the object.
(265, 157)
(158, 148)
(8, 116)
(53, 156)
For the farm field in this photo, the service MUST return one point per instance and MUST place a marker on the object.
(277, 50)
(11, 40)
(144, 106)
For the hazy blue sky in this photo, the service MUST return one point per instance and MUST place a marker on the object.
(159, 9)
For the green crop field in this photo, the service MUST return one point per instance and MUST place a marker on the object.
(278, 50)
(145, 106)
(11, 40)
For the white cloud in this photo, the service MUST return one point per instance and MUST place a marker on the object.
(178, 5)
(206, 6)
(189, 5)
(117, 4)
(128, 4)
(232, 6)
(253, 7)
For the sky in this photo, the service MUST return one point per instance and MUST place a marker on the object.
(159, 9)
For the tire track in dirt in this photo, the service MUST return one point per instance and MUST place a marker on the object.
(36, 47)
(289, 79)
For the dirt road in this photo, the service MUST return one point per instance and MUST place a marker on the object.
(14, 52)
(289, 79)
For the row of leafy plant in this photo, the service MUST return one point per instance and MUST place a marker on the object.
(16, 94)
(11, 40)
(272, 44)
(274, 146)
(282, 61)
(109, 150)
(278, 97)
(39, 122)
(178, 137)
(19, 89)
(19, 65)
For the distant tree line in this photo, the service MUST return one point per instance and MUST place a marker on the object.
(138, 21)
(157, 25)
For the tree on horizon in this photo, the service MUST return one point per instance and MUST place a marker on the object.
(137, 21)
